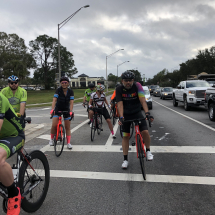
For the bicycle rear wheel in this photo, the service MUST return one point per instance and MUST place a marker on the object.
(131, 130)
(141, 157)
(93, 128)
(59, 142)
(34, 177)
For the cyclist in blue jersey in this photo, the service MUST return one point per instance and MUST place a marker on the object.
(62, 101)
(130, 97)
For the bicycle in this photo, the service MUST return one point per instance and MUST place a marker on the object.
(140, 145)
(114, 113)
(86, 104)
(96, 123)
(32, 175)
(59, 138)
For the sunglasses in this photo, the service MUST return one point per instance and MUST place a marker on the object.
(64, 82)
(13, 83)
(127, 80)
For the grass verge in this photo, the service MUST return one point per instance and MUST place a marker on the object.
(46, 96)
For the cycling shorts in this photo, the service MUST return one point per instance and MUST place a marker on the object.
(66, 116)
(103, 111)
(12, 144)
(126, 125)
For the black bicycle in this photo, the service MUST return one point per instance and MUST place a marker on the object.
(96, 123)
(32, 175)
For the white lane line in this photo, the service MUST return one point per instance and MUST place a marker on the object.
(163, 136)
(81, 115)
(47, 136)
(207, 126)
(154, 149)
(176, 179)
(110, 138)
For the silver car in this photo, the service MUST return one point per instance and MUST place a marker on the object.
(166, 92)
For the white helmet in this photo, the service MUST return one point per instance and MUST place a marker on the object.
(100, 87)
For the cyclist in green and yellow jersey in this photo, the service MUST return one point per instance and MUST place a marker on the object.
(12, 139)
(16, 95)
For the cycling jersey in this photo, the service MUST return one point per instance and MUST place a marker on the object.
(88, 93)
(130, 97)
(20, 96)
(63, 101)
(99, 102)
(11, 133)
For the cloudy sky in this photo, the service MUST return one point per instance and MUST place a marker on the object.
(155, 34)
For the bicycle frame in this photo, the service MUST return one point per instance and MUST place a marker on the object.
(20, 157)
(137, 132)
(58, 125)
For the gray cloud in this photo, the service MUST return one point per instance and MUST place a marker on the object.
(155, 34)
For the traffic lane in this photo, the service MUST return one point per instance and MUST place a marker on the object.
(184, 164)
(198, 113)
(81, 196)
(179, 130)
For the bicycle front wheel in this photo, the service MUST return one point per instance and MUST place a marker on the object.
(141, 157)
(34, 177)
(59, 141)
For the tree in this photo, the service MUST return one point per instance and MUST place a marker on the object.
(44, 50)
(14, 56)
(137, 75)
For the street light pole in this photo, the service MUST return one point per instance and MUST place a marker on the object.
(106, 64)
(120, 65)
(59, 27)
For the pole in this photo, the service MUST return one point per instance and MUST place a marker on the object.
(106, 74)
(59, 70)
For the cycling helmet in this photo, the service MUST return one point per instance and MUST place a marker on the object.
(91, 85)
(100, 87)
(117, 85)
(13, 78)
(128, 75)
(64, 78)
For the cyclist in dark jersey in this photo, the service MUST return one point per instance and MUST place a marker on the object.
(130, 97)
(62, 101)
(12, 139)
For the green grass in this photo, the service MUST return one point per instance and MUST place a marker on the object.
(45, 96)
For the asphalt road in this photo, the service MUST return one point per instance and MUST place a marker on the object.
(89, 178)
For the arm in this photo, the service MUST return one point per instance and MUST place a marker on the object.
(54, 103)
(144, 104)
(84, 100)
(22, 108)
(1, 123)
(71, 105)
(106, 102)
(120, 108)
(90, 102)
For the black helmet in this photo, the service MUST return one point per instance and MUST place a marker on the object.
(91, 85)
(64, 78)
(128, 75)
(117, 85)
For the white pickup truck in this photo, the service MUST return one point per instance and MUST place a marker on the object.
(191, 93)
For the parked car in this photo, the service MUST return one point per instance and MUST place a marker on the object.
(210, 102)
(191, 93)
(148, 97)
(157, 92)
(166, 92)
(152, 88)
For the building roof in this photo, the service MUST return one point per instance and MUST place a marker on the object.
(83, 75)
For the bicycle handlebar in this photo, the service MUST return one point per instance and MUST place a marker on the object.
(137, 120)
(27, 120)
(61, 113)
